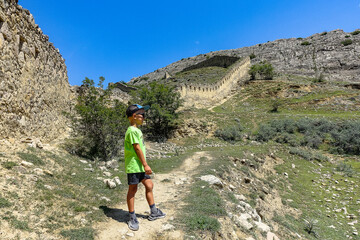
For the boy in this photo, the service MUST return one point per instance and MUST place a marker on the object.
(136, 166)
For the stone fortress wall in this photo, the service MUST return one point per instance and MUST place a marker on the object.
(34, 87)
(202, 94)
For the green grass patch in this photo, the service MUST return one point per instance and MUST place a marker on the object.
(4, 203)
(317, 191)
(30, 157)
(18, 224)
(203, 207)
(206, 75)
(78, 234)
(8, 164)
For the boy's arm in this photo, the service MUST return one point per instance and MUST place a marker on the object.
(140, 155)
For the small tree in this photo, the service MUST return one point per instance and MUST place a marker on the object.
(262, 70)
(162, 117)
(99, 123)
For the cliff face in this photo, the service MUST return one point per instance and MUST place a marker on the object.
(34, 87)
(322, 53)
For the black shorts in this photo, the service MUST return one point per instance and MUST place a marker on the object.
(136, 178)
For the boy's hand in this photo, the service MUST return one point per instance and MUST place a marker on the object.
(148, 170)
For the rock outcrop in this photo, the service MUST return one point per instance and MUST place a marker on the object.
(334, 55)
(34, 87)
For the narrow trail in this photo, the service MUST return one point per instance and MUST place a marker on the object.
(168, 190)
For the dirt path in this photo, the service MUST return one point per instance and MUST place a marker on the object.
(168, 190)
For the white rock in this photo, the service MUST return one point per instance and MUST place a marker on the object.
(102, 168)
(38, 171)
(353, 223)
(108, 174)
(110, 183)
(262, 227)
(105, 198)
(83, 161)
(117, 181)
(167, 227)
(48, 187)
(211, 179)
(240, 197)
(243, 222)
(130, 234)
(232, 187)
(272, 236)
(26, 164)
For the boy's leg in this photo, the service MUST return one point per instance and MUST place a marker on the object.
(149, 191)
(133, 223)
(155, 213)
(131, 197)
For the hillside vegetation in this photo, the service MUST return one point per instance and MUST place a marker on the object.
(299, 182)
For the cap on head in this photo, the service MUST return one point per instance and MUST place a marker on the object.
(134, 108)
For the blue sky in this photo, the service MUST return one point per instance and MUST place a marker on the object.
(124, 39)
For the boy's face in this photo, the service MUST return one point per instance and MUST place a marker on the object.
(139, 117)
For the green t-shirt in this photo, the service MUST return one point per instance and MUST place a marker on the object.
(132, 162)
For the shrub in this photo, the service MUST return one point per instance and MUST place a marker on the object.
(232, 133)
(355, 32)
(8, 164)
(99, 123)
(346, 42)
(347, 36)
(4, 203)
(262, 70)
(305, 43)
(346, 169)
(252, 56)
(311, 227)
(162, 118)
(323, 33)
(265, 133)
(276, 103)
(346, 138)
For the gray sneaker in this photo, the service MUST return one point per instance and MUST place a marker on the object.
(133, 224)
(156, 215)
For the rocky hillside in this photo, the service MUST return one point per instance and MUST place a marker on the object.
(333, 55)
(34, 87)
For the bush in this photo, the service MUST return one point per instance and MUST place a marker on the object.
(305, 43)
(8, 164)
(4, 203)
(265, 133)
(323, 33)
(99, 124)
(162, 118)
(346, 138)
(355, 32)
(346, 169)
(307, 155)
(231, 134)
(252, 56)
(346, 42)
(262, 70)
(343, 137)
